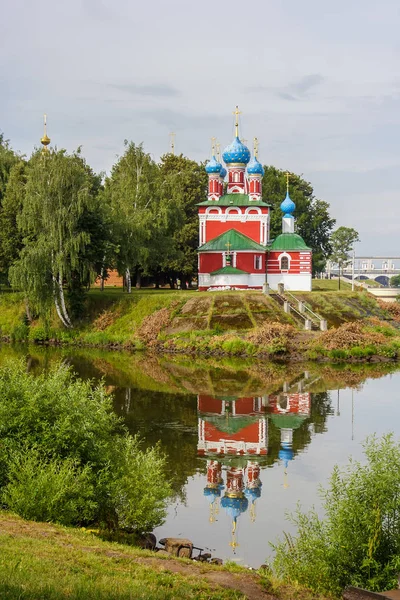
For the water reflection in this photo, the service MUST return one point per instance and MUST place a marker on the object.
(233, 437)
(244, 441)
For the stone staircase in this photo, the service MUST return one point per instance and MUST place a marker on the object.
(299, 310)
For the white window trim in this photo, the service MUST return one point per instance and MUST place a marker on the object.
(284, 255)
(258, 256)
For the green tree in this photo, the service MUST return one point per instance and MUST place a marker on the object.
(8, 158)
(395, 281)
(357, 542)
(342, 242)
(313, 221)
(184, 183)
(59, 196)
(144, 217)
(10, 237)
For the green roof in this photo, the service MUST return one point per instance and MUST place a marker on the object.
(288, 420)
(230, 424)
(288, 241)
(228, 270)
(234, 200)
(236, 241)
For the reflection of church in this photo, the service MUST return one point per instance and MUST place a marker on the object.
(232, 432)
(233, 436)
(287, 412)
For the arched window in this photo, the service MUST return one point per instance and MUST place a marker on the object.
(284, 263)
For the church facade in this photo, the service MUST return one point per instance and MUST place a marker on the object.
(235, 249)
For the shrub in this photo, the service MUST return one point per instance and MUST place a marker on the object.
(140, 489)
(20, 332)
(40, 489)
(80, 450)
(357, 542)
(38, 334)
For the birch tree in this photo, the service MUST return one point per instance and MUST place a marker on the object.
(59, 194)
(132, 193)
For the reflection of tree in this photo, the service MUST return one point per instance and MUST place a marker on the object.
(170, 419)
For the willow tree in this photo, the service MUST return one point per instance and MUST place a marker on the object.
(59, 194)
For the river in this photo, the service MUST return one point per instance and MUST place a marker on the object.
(245, 441)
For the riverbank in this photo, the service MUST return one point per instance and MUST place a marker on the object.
(245, 324)
(41, 560)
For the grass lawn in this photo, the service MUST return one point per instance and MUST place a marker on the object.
(330, 285)
(49, 562)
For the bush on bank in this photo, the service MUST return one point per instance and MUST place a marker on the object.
(357, 542)
(66, 457)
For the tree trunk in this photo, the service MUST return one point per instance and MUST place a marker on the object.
(62, 301)
(56, 304)
(128, 281)
(28, 311)
(339, 276)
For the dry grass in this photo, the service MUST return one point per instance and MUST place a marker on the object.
(393, 308)
(348, 335)
(152, 325)
(105, 319)
(269, 332)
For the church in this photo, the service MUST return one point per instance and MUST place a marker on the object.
(235, 249)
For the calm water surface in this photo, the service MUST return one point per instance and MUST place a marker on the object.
(245, 442)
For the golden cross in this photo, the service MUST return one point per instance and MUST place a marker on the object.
(45, 124)
(213, 146)
(172, 136)
(237, 112)
(256, 147)
(287, 181)
(218, 151)
(229, 246)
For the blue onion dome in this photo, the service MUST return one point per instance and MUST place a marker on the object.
(212, 493)
(223, 172)
(255, 167)
(286, 454)
(234, 506)
(213, 166)
(253, 493)
(236, 152)
(288, 206)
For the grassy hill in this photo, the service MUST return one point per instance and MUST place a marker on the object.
(225, 323)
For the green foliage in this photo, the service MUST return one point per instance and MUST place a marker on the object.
(43, 489)
(65, 430)
(20, 333)
(342, 242)
(62, 244)
(313, 220)
(395, 281)
(357, 542)
(137, 496)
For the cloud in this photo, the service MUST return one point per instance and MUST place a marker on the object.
(155, 89)
(306, 83)
(298, 90)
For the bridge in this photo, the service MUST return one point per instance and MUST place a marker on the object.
(376, 268)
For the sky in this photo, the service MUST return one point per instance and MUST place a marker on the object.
(317, 82)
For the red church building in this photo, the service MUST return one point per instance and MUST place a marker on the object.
(235, 250)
